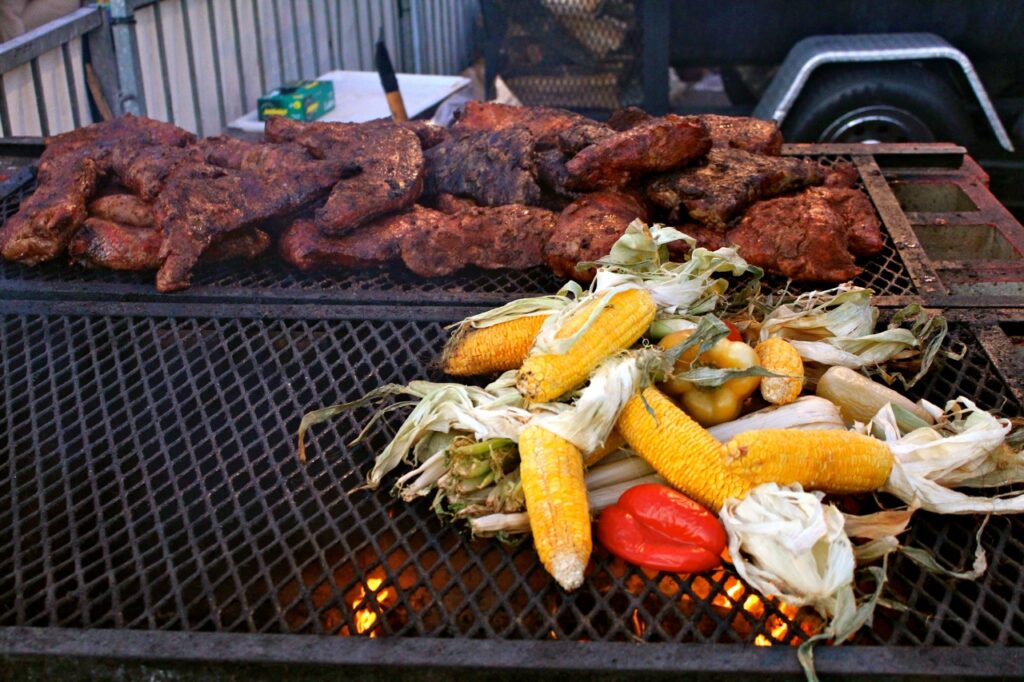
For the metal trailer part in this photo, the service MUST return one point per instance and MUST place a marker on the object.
(810, 53)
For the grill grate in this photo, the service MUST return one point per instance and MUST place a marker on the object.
(270, 278)
(152, 483)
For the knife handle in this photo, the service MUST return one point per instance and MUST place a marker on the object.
(397, 106)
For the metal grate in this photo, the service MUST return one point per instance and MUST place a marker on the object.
(270, 278)
(152, 483)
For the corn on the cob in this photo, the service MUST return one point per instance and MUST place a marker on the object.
(679, 449)
(832, 461)
(779, 356)
(497, 348)
(613, 442)
(556, 500)
(544, 377)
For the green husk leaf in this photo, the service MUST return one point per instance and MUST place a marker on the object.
(715, 377)
(547, 343)
(930, 563)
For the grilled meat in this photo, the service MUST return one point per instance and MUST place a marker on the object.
(657, 145)
(629, 117)
(449, 203)
(389, 155)
(731, 180)
(143, 170)
(544, 124)
(106, 244)
(841, 174)
(587, 228)
(492, 168)
(371, 245)
(510, 236)
(863, 230)
(742, 132)
(125, 209)
(200, 202)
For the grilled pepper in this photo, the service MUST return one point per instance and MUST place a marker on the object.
(656, 527)
(715, 405)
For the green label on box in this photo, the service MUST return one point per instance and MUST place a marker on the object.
(301, 100)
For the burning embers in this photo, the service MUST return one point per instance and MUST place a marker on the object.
(454, 589)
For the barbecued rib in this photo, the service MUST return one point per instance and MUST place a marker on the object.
(492, 168)
(587, 229)
(125, 209)
(390, 157)
(731, 180)
(200, 202)
(106, 244)
(742, 132)
(374, 244)
(511, 236)
(657, 145)
(863, 230)
(544, 124)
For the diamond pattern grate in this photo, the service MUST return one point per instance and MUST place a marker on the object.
(151, 482)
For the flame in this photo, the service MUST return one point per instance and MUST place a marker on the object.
(366, 618)
(639, 626)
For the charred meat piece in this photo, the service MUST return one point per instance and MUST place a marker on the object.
(543, 123)
(862, 226)
(492, 168)
(41, 230)
(488, 237)
(449, 203)
(731, 180)
(141, 130)
(624, 119)
(143, 170)
(199, 203)
(371, 245)
(389, 155)
(106, 244)
(587, 228)
(126, 209)
(657, 145)
(841, 174)
(742, 132)
(799, 237)
(430, 134)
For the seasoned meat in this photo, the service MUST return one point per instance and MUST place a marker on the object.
(741, 132)
(389, 155)
(544, 124)
(126, 209)
(492, 168)
(430, 134)
(143, 170)
(731, 180)
(624, 119)
(657, 145)
(106, 244)
(799, 237)
(371, 245)
(863, 229)
(841, 174)
(587, 228)
(41, 230)
(449, 203)
(552, 177)
(510, 236)
(200, 202)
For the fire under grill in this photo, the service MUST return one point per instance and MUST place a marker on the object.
(152, 483)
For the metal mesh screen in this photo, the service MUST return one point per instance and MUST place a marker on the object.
(151, 482)
(579, 54)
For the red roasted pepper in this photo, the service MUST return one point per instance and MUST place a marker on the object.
(657, 527)
(734, 332)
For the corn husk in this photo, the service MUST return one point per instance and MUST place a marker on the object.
(547, 341)
(807, 412)
(784, 542)
(837, 328)
(523, 307)
(966, 448)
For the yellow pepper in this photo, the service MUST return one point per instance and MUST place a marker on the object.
(710, 406)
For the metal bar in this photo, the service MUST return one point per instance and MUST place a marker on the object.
(165, 72)
(38, 41)
(69, 74)
(417, 38)
(122, 22)
(332, 44)
(218, 79)
(5, 115)
(359, 33)
(37, 86)
(655, 57)
(260, 65)
(192, 79)
(236, 35)
(316, 42)
(396, 33)
(338, 12)
(280, 43)
(299, 71)
(103, 68)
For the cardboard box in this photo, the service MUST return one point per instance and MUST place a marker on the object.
(301, 100)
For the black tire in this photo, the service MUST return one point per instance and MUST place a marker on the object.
(882, 103)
